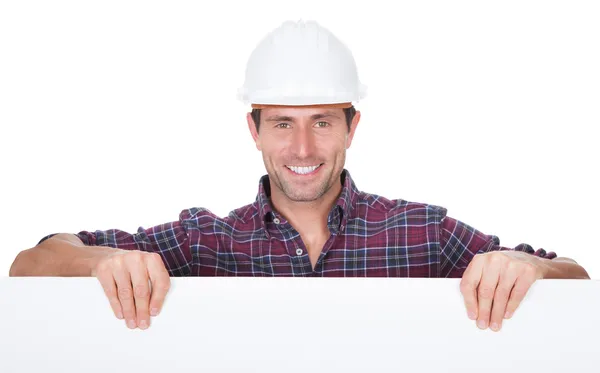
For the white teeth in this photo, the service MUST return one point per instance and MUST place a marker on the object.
(303, 170)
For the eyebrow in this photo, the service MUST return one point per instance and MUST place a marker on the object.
(284, 118)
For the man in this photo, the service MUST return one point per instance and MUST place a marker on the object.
(309, 218)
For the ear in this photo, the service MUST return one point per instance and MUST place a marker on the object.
(353, 125)
(253, 131)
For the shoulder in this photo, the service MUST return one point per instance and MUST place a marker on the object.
(199, 216)
(391, 207)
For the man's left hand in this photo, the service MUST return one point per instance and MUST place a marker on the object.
(495, 283)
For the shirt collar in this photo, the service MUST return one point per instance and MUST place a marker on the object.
(338, 216)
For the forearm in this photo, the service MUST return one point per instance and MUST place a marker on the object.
(564, 268)
(61, 255)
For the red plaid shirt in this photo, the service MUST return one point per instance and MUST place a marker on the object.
(371, 236)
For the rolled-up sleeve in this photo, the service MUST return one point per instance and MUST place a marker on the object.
(170, 240)
(460, 242)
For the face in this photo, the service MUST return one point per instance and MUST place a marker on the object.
(304, 149)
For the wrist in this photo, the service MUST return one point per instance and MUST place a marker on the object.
(563, 268)
(83, 267)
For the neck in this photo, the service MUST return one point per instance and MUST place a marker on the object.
(308, 218)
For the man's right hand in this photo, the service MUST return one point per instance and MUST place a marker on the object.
(136, 284)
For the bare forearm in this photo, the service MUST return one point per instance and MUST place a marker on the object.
(60, 255)
(564, 268)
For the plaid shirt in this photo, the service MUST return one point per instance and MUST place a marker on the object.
(371, 236)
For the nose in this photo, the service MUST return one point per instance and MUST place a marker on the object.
(303, 142)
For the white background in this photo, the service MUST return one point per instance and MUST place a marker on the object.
(119, 114)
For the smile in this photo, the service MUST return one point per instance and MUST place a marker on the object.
(303, 170)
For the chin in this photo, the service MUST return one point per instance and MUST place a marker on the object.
(303, 198)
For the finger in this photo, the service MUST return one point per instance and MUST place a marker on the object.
(161, 282)
(486, 290)
(105, 276)
(125, 292)
(469, 283)
(141, 289)
(507, 280)
(519, 291)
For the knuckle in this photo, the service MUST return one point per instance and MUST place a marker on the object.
(497, 258)
(477, 258)
(141, 291)
(529, 269)
(116, 261)
(512, 268)
(513, 264)
(163, 286)
(155, 256)
(133, 256)
(486, 292)
(103, 266)
(109, 291)
(125, 293)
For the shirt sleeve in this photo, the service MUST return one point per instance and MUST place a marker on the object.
(170, 240)
(460, 242)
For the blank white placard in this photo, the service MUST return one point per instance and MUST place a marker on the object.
(296, 325)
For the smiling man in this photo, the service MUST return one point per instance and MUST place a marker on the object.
(309, 218)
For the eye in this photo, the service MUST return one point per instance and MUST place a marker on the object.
(322, 124)
(282, 125)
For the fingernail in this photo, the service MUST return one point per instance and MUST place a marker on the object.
(143, 324)
(119, 315)
(494, 327)
(131, 324)
(472, 315)
(154, 311)
(508, 315)
(481, 324)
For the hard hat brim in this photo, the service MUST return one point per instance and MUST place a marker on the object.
(343, 105)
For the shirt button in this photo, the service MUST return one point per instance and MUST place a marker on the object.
(298, 251)
(276, 221)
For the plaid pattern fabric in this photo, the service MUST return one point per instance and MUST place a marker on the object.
(371, 236)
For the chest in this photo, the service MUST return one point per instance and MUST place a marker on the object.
(387, 253)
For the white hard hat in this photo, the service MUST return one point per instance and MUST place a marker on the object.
(301, 63)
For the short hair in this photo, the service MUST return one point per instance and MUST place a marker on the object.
(348, 113)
